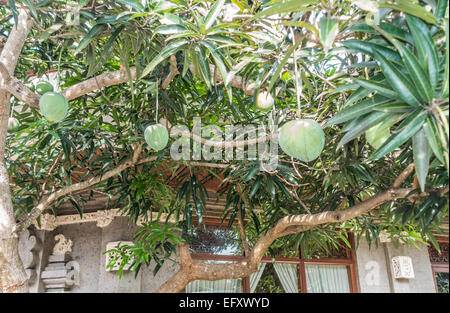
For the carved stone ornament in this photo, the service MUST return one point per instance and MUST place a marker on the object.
(29, 247)
(105, 217)
(61, 273)
(62, 245)
(73, 273)
(110, 256)
(402, 267)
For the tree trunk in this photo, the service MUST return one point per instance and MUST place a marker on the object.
(13, 277)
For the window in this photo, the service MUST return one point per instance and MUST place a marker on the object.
(439, 265)
(332, 273)
(324, 278)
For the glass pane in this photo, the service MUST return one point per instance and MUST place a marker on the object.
(271, 282)
(223, 285)
(442, 282)
(313, 251)
(327, 278)
(215, 240)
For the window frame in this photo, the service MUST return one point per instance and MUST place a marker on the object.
(349, 262)
(437, 267)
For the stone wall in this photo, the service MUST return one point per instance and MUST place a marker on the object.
(88, 243)
(375, 271)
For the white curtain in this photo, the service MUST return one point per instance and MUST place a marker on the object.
(327, 278)
(207, 286)
(288, 276)
(256, 276)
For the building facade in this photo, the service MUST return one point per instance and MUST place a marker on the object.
(67, 254)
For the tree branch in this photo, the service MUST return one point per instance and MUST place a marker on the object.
(286, 226)
(173, 72)
(47, 200)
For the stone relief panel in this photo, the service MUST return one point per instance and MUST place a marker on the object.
(402, 267)
(62, 245)
(110, 256)
(29, 247)
(61, 273)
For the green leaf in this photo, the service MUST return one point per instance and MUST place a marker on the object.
(251, 174)
(133, 3)
(93, 32)
(426, 48)
(399, 81)
(410, 7)
(445, 88)
(30, 5)
(201, 69)
(213, 13)
(359, 94)
(171, 29)
(370, 48)
(286, 7)
(378, 87)
(281, 65)
(418, 76)
(329, 28)
(219, 64)
(14, 11)
(441, 7)
(168, 50)
(49, 31)
(421, 157)
(405, 131)
(187, 58)
(255, 186)
(396, 107)
(107, 50)
(431, 133)
(370, 120)
(357, 110)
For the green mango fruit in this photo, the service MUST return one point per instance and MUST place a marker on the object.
(54, 106)
(156, 136)
(302, 139)
(264, 102)
(43, 87)
(13, 124)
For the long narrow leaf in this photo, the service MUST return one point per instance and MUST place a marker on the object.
(421, 157)
(214, 13)
(418, 76)
(399, 81)
(426, 47)
(169, 50)
(410, 126)
(357, 110)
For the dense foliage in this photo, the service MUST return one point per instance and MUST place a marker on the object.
(349, 65)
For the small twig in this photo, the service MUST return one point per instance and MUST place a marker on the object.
(50, 171)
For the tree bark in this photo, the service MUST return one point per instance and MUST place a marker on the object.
(194, 270)
(13, 277)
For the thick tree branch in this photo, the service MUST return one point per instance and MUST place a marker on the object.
(173, 72)
(98, 82)
(286, 226)
(47, 200)
(403, 176)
